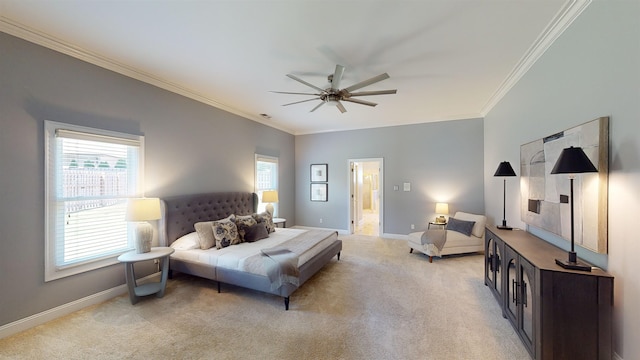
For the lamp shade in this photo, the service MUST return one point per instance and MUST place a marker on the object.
(505, 169)
(270, 196)
(442, 208)
(143, 209)
(573, 160)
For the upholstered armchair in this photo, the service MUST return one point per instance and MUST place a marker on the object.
(464, 233)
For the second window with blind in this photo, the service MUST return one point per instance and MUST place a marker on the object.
(266, 179)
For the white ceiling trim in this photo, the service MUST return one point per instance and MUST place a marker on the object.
(37, 37)
(569, 12)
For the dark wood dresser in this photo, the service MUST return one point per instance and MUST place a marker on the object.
(558, 313)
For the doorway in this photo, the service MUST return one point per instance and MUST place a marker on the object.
(365, 196)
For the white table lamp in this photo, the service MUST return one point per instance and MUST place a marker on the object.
(441, 209)
(269, 197)
(142, 210)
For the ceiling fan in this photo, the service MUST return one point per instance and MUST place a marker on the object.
(333, 94)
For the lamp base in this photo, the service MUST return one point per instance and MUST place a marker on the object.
(504, 225)
(269, 208)
(144, 236)
(573, 265)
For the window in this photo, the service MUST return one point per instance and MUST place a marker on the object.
(89, 175)
(266, 178)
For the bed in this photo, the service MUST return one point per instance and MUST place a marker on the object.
(239, 264)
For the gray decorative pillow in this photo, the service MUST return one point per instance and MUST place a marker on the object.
(205, 232)
(461, 226)
(242, 222)
(226, 233)
(255, 232)
(267, 219)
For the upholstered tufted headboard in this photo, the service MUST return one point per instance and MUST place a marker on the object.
(181, 212)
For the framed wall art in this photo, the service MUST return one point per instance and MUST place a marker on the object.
(545, 201)
(319, 173)
(319, 192)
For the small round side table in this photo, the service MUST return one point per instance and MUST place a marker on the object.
(131, 257)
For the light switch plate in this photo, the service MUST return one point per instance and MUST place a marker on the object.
(407, 187)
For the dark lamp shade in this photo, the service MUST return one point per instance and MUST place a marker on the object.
(573, 160)
(504, 169)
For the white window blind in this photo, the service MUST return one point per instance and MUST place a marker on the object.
(90, 173)
(266, 178)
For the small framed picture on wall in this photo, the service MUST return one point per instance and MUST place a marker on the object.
(319, 173)
(319, 192)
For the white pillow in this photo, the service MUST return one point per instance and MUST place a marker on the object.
(187, 242)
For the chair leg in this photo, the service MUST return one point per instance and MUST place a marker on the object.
(430, 259)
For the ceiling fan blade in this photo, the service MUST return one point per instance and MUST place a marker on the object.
(341, 107)
(337, 77)
(304, 82)
(293, 93)
(378, 92)
(317, 106)
(368, 82)
(298, 102)
(361, 102)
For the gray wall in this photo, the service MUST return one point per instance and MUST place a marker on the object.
(184, 142)
(592, 70)
(442, 161)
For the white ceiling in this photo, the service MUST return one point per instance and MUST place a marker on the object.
(448, 59)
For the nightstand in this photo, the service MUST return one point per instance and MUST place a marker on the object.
(282, 221)
(131, 257)
(444, 224)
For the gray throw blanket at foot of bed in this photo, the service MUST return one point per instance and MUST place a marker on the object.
(281, 266)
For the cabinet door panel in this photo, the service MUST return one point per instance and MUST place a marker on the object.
(499, 250)
(494, 249)
(527, 283)
(489, 270)
(511, 285)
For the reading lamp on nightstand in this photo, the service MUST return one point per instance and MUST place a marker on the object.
(573, 161)
(441, 209)
(504, 169)
(269, 197)
(142, 210)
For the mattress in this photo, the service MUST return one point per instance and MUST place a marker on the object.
(237, 257)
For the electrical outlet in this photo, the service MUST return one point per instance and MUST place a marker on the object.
(320, 220)
(413, 227)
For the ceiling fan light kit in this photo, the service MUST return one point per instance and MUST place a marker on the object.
(333, 95)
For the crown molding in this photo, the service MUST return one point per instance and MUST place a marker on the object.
(561, 21)
(37, 37)
(564, 17)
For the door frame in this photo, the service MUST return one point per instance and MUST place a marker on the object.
(350, 197)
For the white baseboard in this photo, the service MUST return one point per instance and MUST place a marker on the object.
(66, 309)
(394, 236)
(346, 232)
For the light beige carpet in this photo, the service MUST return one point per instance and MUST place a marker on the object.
(377, 302)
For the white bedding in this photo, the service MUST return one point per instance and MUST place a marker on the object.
(234, 256)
